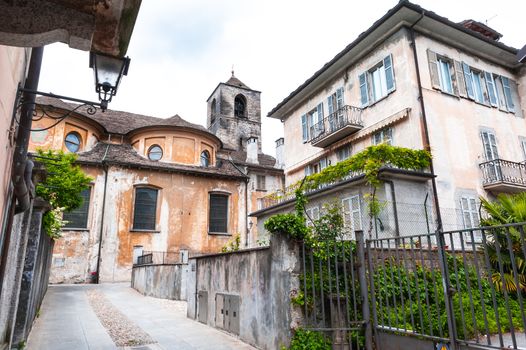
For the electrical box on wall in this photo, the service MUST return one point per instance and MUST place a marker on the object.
(227, 312)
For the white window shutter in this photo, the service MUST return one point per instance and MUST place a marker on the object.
(468, 80)
(304, 128)
(389, 73)
(461, 84)
(507, 94)
(433, 69)
(364, 90)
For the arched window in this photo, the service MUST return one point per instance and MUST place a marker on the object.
(205, 158)
(155, 152)
(145, 209)
(73, 142)
(240, 106)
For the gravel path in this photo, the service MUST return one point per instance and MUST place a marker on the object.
(122, 330)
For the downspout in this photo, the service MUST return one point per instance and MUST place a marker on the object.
(105, 167)
(427, 143)
(395, 209)
(247, 179)
(22, 167)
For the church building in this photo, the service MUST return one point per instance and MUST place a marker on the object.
(165, 186)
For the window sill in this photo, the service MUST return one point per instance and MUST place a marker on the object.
(219, 234)
(65, 229)
(144, 231)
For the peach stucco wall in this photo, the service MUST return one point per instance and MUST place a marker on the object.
(13, 62)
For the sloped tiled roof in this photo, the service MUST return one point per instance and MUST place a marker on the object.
(125, 155)
(119, 122)
(266, 161)
(236, 82)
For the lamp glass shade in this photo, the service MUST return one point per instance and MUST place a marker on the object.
(108, 72)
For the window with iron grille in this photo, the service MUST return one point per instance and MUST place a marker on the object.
(78, 218)
(218, 215)
(145, 209)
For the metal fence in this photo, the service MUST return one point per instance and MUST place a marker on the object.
(156, 257)
(465, 288)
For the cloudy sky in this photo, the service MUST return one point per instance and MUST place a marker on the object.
(181, 49)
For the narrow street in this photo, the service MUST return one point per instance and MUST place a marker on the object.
(67, 321)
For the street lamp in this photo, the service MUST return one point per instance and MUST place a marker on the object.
(108, 72)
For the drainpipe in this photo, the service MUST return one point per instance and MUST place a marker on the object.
(22, 167)
(105, 167)
(395, 209)
(427, 144)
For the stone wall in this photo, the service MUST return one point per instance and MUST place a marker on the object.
(161, 281)
(247, 293)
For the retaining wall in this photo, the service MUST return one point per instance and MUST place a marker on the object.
(161, 281)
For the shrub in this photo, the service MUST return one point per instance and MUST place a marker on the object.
(291, 225)
(309, 340)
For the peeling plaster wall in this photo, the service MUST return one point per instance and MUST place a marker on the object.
(161, 281)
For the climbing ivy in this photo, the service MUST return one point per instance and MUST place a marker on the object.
(61, 188)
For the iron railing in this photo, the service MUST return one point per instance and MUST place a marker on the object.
(157, 257)
(503, 171)
(345, 116)
(463, 287)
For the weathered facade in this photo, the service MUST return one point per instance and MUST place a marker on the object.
(201, 192)
(417, 80)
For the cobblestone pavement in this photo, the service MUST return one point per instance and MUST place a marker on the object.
(68, 322)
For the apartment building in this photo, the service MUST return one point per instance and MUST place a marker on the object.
(413, 79)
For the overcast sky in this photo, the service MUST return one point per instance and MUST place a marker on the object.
(181, 49)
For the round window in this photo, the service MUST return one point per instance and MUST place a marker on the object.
(155, 152)
(73, 142)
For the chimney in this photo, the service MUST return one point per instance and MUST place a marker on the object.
(252, 150)
(280, 149)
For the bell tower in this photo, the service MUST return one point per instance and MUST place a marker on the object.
(234, 114)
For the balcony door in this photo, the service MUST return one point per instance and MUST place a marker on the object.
(335, 104)
(493, 170)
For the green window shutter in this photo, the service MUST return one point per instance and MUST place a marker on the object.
(433, 69)
(145, 209)
(461, 84)
(492, 91)
(330, 104)
(339, 98)
(364, 91)
(218, 216)
(78, 218)
(468, 80)
(304, 128)
(389, 73)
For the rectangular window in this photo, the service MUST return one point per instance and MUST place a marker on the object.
(383, 136)
(313, 214)
(78, 218)
(218, 215)
(145, 209)
(470, 217)
(343, 153)
(377, 82)
(260, 182)
(445, 69)
(316, 167)
(352, 215)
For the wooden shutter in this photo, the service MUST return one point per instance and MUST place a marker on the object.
(78, 218)
(490, 145)
(461, 84)
(339, 98)
(523, 146)
(304, 128)
(364, 91)
(389, 73)
(356, 213)
(492, 91)
(319, 122)
(468, 80)
(500, 93)
(145, 209)
(330, 104)
(516, 99)
(507, 94)
(218, 218)
(433, 69)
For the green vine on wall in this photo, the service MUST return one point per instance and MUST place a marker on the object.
(61, 188)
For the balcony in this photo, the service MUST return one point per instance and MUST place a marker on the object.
(501, 175)
(344, 122)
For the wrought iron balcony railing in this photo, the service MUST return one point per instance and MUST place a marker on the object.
(345, 121)
(503, 175)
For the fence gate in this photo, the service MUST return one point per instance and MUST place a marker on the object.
(462, 288)
(331, 291)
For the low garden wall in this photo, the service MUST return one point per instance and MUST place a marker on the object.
(247, 293)
(166, 281)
